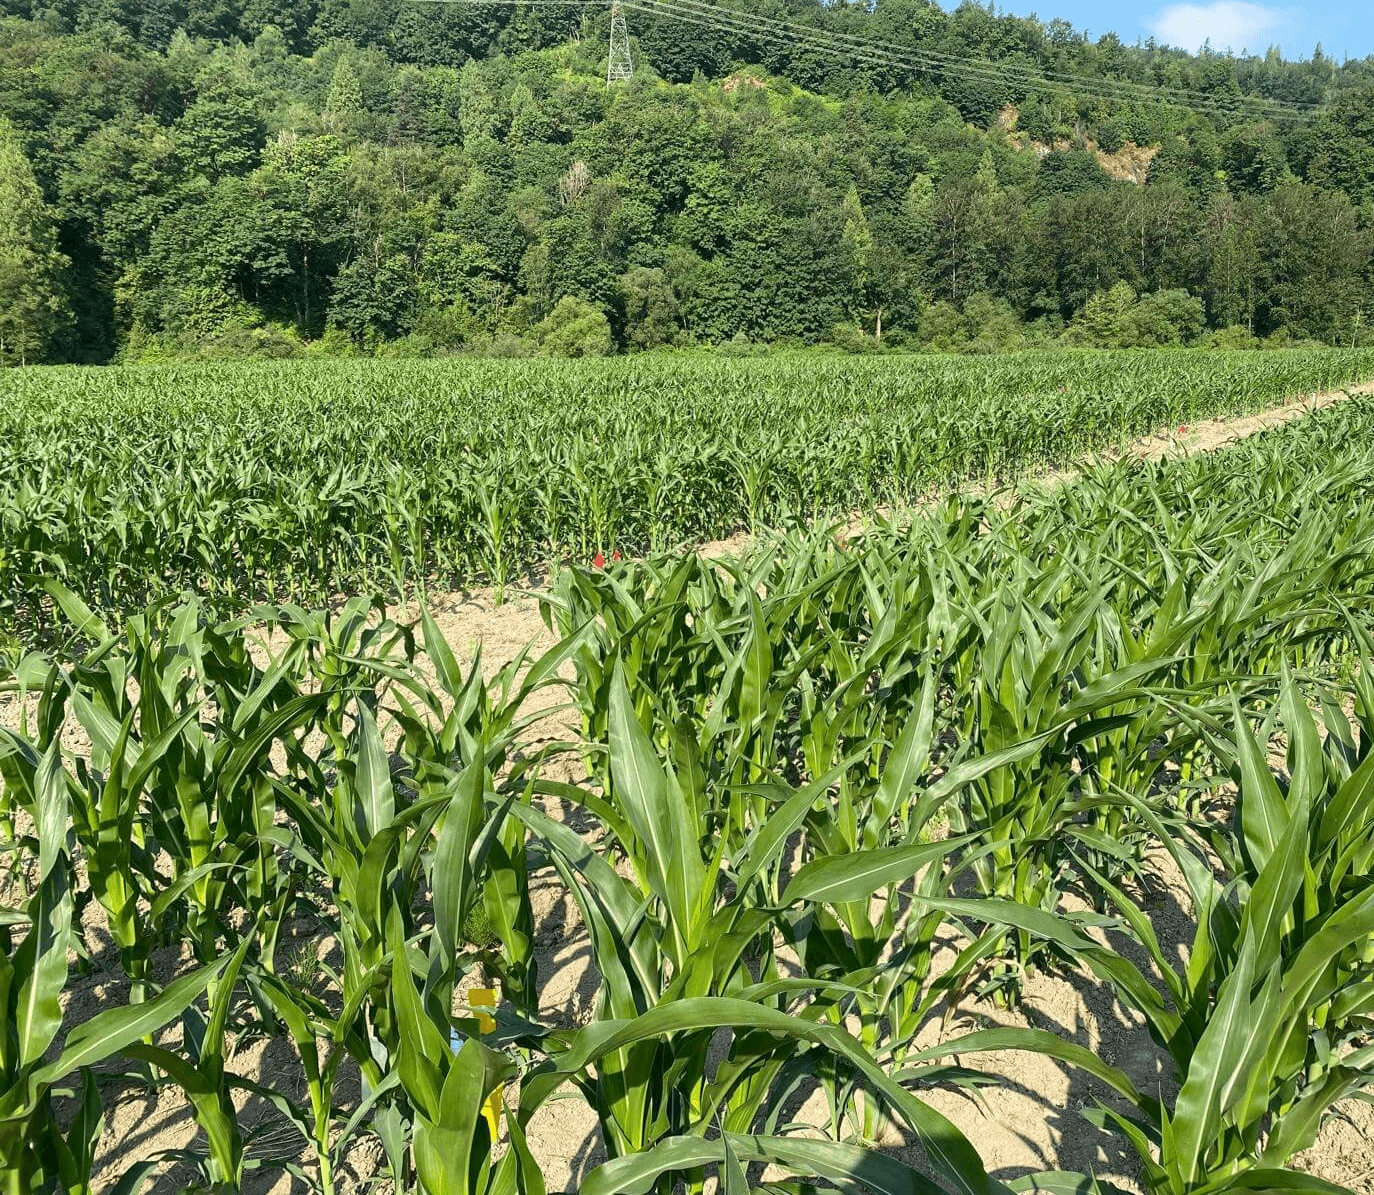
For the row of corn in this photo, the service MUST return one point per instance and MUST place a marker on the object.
(268, 482)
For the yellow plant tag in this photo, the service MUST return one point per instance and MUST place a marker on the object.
(482, 1001)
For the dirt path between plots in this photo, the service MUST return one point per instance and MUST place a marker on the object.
(1029, 1121)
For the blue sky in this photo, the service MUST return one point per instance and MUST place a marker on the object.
(1345, 28)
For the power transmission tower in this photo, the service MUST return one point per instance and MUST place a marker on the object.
(619, 67)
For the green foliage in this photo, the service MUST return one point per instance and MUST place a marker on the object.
(343, 109)
(1105, 317)
(33, 305)
(574, 328)
(1121, 319)
(222, 131)
(986, 324)
(478, 930)
(373, 300)
(653, 309)
(355, 164)
(445, 328)
(1344, 142)
(1070, 172)
(1166, 317)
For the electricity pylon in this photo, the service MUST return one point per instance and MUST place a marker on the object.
(619, 66)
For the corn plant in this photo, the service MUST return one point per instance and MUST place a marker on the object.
(760, 1032)
(694, 925)
(1267, 1022)
(1327, 808)
(36, 1153)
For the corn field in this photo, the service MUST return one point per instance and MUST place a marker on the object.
(272, 483)
(813, 805)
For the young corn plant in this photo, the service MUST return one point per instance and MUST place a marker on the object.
(693, 925)
(1329, 794)
(182, 726)
(1033, 680)
(37, 1154)
(424, 1098)
(1267, 1023)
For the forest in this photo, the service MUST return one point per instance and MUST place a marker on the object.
(230, 178)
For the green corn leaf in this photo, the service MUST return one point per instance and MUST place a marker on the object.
(1062, 1182)
(834, 879)
(1351, 922)
(1047, 1045)
(108, 1032)
(1298, 1127)
(41, 963)
(76, 1152)
(422, 1048)
(454, 881)
(1214, 1068)
(84, 621)
(372, 777)
(850, 1168)
(946, 1147)
(1267, 1179)
(910, 759)
(212, 1111)
(1263, 813)
(654, 809)
(525, 1176)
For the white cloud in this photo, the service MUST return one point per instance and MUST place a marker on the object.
(1228, 24)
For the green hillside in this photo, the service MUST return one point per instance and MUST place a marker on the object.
(227, 178)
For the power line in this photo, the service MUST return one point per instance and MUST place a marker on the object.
(793, 35)
(700, 13)
(866, 43)
(748, 25)
(697, 12)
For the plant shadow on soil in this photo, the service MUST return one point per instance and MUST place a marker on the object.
(1030, 1119)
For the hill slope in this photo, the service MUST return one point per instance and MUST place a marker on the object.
(227, 178)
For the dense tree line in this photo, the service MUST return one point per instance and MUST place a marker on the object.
(253, 176)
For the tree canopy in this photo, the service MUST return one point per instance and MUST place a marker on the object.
(373, 176)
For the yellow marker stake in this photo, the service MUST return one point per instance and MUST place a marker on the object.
(482, 1001)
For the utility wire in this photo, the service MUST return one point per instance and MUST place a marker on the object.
(703, 14)
(698, 12)
(867, 43)
(691, 12)
(1147, 90)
